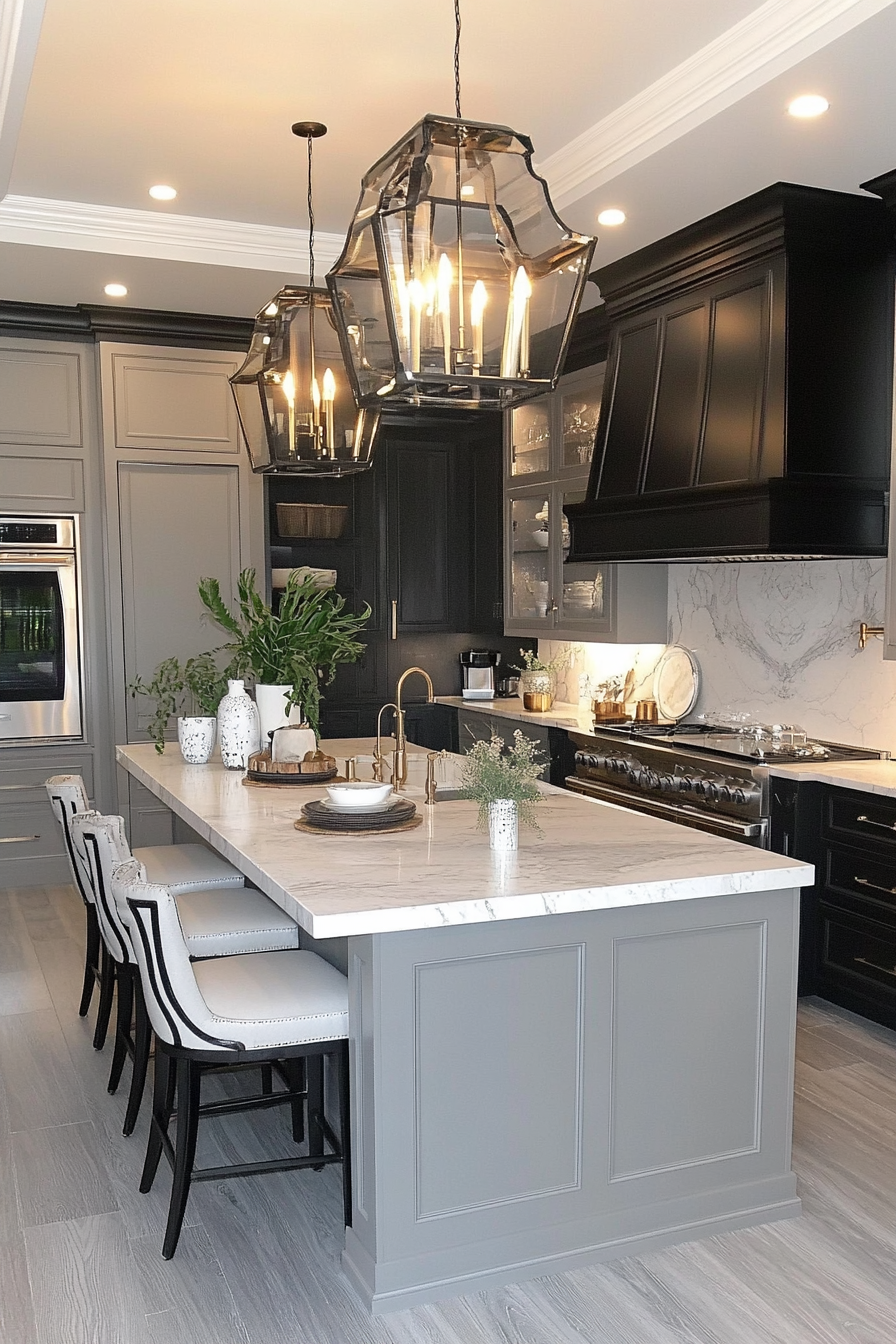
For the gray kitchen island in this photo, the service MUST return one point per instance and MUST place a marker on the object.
(579, 1052)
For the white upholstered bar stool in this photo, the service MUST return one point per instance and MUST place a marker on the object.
(232, 1011)
(187, 867)
(220, 922)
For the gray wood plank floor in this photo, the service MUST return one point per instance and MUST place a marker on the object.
(258, 1261)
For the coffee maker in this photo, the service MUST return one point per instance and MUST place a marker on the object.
(478, 667)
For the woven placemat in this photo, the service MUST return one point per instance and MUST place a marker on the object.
(302, 825)
(367, 819)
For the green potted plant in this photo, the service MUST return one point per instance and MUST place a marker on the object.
(502, 780)
(195, 686)
(293, 652)
(538, 680)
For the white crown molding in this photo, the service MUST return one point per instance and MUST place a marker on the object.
(770, 40)
(20, 22)
(169, 237)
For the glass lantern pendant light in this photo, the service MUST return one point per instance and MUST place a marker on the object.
(458, 284)
(293, 397)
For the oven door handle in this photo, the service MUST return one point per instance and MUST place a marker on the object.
(19, 559)
(669, 811)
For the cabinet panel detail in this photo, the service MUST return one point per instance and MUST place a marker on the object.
(676, 429)
(42, 484)
(485, 1154)
(738, 356)
(174, 403)
(40, 398)
(178, 523)
(715, 1018)
(629, 411)
(422, 497)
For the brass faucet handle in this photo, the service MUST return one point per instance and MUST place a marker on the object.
(431, 786)
(867, 631)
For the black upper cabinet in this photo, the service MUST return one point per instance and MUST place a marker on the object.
(423, 532)
(747, 403)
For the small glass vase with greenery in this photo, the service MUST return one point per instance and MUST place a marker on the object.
(191, 688)
(494, 773)
(300, 645)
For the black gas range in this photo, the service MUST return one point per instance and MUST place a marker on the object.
(712, 777)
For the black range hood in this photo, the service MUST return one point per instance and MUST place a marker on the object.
(746, 412)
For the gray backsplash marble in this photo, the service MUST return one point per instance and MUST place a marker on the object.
(779, 639)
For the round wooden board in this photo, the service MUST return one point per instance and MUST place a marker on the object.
(302, 825)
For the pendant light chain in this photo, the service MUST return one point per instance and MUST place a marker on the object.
(457, 58)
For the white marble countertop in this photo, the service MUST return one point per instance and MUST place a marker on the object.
(588, 855)
(866, 776)
(561, 716)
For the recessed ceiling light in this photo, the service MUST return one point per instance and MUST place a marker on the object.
(115, 291)
(162, 193)
(808, 105)
(610, 218)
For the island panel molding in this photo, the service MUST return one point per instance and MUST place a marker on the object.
(477, 1166)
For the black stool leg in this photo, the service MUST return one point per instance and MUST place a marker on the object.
(296, 1080)
(107, 989)
(162, 1106)
(188, 1085)
(314, 1074)
(142, 1041)
(345, 1130)
(124, 974)
(91, 959)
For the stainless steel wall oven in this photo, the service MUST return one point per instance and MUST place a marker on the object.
(40, 629)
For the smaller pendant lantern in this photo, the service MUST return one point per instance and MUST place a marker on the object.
(293, 396)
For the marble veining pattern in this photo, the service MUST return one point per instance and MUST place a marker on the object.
(587, 856)
(865, 776)
(781, 639)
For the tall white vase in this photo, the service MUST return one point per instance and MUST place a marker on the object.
(503, 825)
(238, 730)
(273, 711)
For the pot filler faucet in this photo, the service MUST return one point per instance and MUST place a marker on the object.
(400, 754)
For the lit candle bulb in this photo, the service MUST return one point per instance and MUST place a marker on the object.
(417, 296)
(444, 277)
(289, 391)
(478, 300)
(329, 399)
(315, 410)
(522, 293)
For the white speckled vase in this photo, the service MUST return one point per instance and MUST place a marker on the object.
(196, 735)
(503, 824)
(238, 730)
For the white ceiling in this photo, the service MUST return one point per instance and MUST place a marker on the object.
(667, 108)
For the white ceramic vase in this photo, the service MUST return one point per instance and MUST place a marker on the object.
(503, 824)
(273, 711)
(196, 735)
(237, 726)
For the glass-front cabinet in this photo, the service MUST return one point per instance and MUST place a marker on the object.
(548, 447)
(553, 436)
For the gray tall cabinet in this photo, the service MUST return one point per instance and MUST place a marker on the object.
(140, 443)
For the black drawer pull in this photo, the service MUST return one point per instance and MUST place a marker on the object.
(874, 966)
(863, 882)
(884, 825)
(17, 839)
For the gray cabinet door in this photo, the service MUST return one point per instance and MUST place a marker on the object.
(163, 402)
(41, 484)
(40, 396)
(179, 523)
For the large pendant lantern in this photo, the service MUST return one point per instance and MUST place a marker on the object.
(294, 400)
(458, 284)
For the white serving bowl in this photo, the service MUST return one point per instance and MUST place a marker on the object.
(359, 794)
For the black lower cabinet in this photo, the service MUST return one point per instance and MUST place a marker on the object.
(848, 919)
